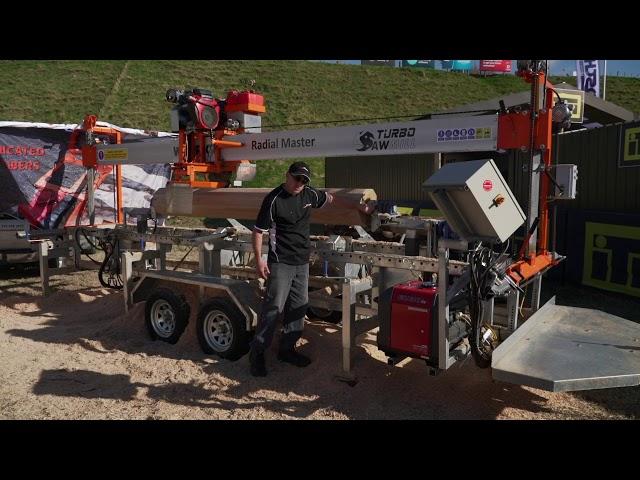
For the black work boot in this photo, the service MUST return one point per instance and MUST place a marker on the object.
(256, 359)
(294, 358)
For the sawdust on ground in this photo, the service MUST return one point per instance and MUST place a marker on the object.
(76, 355)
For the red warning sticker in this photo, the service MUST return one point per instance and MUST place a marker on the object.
(487, 185)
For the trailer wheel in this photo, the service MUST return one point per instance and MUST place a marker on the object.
(166, 315)
(222, 330)
(324, 314)
(331, 316)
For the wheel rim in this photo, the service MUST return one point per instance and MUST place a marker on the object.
(218, 330)
(163, 318)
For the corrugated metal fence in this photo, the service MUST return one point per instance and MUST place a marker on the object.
(393, 177)
(602, 184)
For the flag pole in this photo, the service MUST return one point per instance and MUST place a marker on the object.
(604, 85)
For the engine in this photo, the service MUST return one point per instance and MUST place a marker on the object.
(196, 110)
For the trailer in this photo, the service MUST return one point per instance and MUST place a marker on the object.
(449, 290)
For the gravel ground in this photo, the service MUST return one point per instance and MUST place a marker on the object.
(76, 355)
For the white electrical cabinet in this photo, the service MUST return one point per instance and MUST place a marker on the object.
(475, 200)
(566, 176)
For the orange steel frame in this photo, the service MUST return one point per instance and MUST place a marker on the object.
(192, 156)
(532, 130)
(90, 160)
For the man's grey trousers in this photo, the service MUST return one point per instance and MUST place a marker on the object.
(286, 292)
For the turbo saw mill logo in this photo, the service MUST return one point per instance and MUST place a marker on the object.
(366, 139)
(386, 139)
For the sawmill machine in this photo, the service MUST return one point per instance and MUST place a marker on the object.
(204, 126)
(436, 318)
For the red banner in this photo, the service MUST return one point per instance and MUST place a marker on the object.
(495, 66)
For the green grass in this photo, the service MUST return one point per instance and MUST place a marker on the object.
(132, 93)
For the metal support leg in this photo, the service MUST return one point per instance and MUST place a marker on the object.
(77, 254)
(164, 248)
(43, 258)
(512, 310)
(533, 200)
(487, 311)
(126, 262)
(348, 327)
(210, 260)
(536, 286)
(91, 178)
(444, 359)
(210, 263)
(443, 306)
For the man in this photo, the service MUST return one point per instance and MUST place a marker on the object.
(284, 215)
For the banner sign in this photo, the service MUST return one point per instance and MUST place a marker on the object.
(456, 64)
(574, 97)
(388, 63)
(42, 178)
(419, 63)
(629, 148)
(422, 136)
(588, 76)
(495, 66)
(612, 255)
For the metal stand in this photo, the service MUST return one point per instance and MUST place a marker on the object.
(62, 251)
(444, 359)
(43, 258)
(351, 327)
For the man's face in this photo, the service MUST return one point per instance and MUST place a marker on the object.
(295, 183)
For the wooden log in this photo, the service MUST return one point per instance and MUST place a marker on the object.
(244, 203)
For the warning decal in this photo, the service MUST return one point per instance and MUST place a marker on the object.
(118, 154)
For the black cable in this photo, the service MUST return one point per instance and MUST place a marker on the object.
(490, 111)
(475, 306)
(557, 94)
(111, 267)
(91, 244)
(559, 187)
(479, 256)
(493, 263)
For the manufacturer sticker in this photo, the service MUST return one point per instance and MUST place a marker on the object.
(115, 154)
(458, 134)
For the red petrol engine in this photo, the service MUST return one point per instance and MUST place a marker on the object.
(196, 110)
(408, 320)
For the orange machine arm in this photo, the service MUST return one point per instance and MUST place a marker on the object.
(90, 161)
(532, 131)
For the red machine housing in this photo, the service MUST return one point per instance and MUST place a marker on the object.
(408, 313)
(196, 109)
(206, 111)
(246, 101)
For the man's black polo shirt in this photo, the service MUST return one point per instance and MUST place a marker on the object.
(286, 218)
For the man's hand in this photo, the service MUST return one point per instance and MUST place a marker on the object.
(367, 208)
(262, 268)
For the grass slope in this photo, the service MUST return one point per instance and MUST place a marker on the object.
(132, 93)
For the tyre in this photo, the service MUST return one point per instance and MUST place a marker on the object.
(326, 315)
(331, 316)
(222, 330)
(166, 315)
